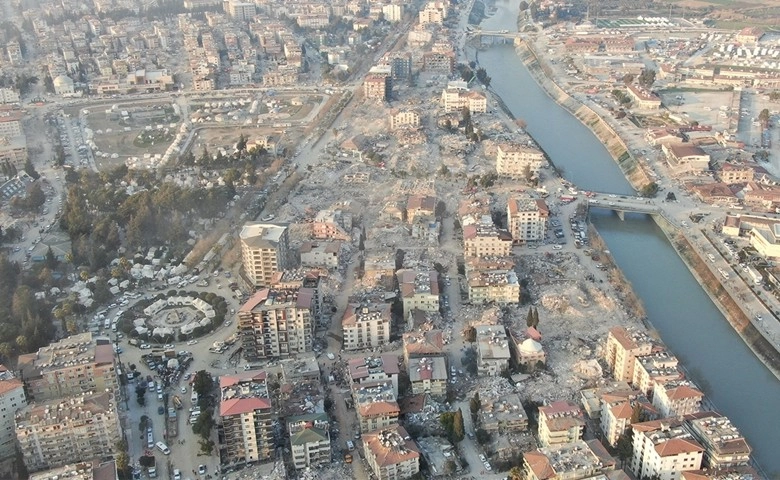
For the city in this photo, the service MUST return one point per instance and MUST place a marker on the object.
(326, 240)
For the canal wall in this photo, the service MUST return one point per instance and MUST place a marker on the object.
(614, 144)
(720, 296)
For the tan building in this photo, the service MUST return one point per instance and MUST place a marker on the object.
(378, 86)
(530, 353)
(483, 239)
(724, 446)
(245, 415)
(376, 406)
(366, 326)
(664, 448)
(419, 290)
(655, 369)
(731, 173)
(10, 122)
(686, 158)
(492, 350)
(12, 398)
(571, 461)
(429, 375)
(560, 422)
(320, 254)
(643, 98)
(501, 415)
(623, 346)
(456, 99)
(73, 429)
(426, 344)
(433, 12)
(75, 365)
(277, 323)
(618, 410)
(391, 454)
(309, 440)
(527, 218)
(518, 161)
(676, 399)
(420, 206)
(493, 286)
(403, 118)
(264, 250)
(370, 371)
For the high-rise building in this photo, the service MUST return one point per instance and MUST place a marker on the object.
(264, 250)
(245, 417)
(74, 429)
(12, 398)
(75, 365)
(277, 323)
(664, 449)
(527, 219)
(560, 422)
(623, 347)
(366, 326)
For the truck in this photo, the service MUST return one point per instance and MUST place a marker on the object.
(177, 402)
(173, 423)
(757, 277)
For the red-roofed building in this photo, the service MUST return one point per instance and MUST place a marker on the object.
(663, 448)
(245, 415)
(277, 323)
(560, 422)
(391, 454)
(676, 399)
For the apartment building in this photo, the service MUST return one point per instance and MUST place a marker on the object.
(456, 99)
(366, 325)
(433, 12)
(429, 375)
(663, 448)
(320, 254)
(245, 417)
(265, 249)
(569, 461)
(391, 454)
(560, 422)
(12, 398)
(676, 399)
(75, 365)
(684, 157)
(435, 62)
(724, 446)
(10, 122)
(419, 290)
(9, 95)
(518, 161)
(623, 347)
(527, 219)
(277, 323)
(89, 470)
(655, 369)
(501, 415)
(309, 439)
(484, 239)
(13, 150)
(369, 371)
(376, 406)
(393, 12)
(377, 86)
(499, 286)
(620, 409)
(423, 344)
(592, 398)
(58, 432)
(492, 350)
(332, 224)
(403, 118)
(643, 98)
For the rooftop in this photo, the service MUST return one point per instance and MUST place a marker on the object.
(55, 412)
(243, 392)
(373, 312)
(262, 235)
(376, 392)
(558, 460)
(360, 368)
(390, 446)
(719, 434)
(413, 283)
(493, 342)
(273, 298)
(434, 368)
(94, 470)
(78, 349)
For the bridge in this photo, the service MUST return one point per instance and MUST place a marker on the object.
(622, 204)
(487, 37)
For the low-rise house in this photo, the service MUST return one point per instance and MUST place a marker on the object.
(420, 206)
(686, 158)
(643, 98)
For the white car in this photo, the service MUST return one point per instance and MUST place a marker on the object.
(557, 247)
(144, 346)
(192, 342)
(176, 474)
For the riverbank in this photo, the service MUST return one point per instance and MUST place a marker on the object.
(615, 145)
(721, 297)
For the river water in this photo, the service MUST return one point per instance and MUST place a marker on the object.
(717, 359)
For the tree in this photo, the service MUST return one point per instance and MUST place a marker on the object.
(51, 260)
(29, 169)
(204, 424)
(206, 446)
(647, 78)
(458, 430)
(122, 459)
(203, 384)
(482, 436)
(628, 78)
(536, 318)
(529, 319)
(625, 446)
(763, 117)
(475, 404)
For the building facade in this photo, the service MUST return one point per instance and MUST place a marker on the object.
(623, 347)
(663, 448)
(366, 326)
(264, 250)
(12, 398)
(527, 218)
(245, 417)
(309, 439)
(277, 323)
(59, 432)
(518, 161)
(560, 422)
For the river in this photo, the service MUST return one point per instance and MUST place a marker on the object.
(717, 359)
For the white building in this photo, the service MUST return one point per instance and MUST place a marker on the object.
(492, 350)
(12, 398)
(664, 448)
(527, 218)
(264, 251)
(366, 326)
(518, 161)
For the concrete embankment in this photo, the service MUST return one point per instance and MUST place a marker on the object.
(721, 297)
(604, 132)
